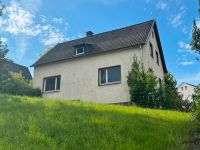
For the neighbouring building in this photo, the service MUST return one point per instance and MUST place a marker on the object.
(186, 90)
(95, 68)
(13, 68)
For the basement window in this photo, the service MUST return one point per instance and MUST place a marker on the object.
(110, 75)
(52, 84)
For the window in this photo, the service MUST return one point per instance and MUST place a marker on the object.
(152, 34)
(185, 87)
(157, 58)
(80, 50)
(151, 49)
(52, 84)
(110, 75)
(182, 88)
(150, 70)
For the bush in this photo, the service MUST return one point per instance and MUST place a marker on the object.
(17, 85)
(142, 85)
(146, 92)
(172, 99)
(196, 98)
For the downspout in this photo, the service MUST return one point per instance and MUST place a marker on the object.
(141, 61)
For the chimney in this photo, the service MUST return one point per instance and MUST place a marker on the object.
(89, 33)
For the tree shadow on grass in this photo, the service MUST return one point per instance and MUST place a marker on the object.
(37, 125)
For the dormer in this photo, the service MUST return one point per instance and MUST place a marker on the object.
(82, 49)
(79, 50)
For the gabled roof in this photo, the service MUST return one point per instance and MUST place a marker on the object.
(187, 84)
(11, 66)
(134, 35)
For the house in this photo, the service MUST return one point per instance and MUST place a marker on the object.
(95, 68)
(16, 68)
(186, 90)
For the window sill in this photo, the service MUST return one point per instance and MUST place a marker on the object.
(53, 91)
(111, 83)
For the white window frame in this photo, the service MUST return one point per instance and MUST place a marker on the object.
(79, 48)
(106, 69)
(55, 87)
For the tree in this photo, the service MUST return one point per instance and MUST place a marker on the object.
(142, 86)
(199, 6)
(195, 44)
(1, 8)
(145, 91)
(3, 52)
(3, 46)
(18, 85)
(196, 98)
(172, 99)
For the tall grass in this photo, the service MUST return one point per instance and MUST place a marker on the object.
(35, 123)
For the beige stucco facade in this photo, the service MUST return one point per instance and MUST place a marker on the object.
(79, 76)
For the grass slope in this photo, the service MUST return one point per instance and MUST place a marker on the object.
(34, 123)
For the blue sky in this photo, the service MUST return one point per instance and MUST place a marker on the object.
(31, 26)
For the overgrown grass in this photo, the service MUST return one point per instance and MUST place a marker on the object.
(35, 123)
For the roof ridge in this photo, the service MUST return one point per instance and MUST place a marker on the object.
(188, 84)
(105, 41)
(10, 61)
(152, 20)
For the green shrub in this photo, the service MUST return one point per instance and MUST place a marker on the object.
(17, 85)
(142, 85)
(196, 98)
(146, 92)
(172, 99)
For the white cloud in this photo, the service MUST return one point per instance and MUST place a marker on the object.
(43, 19)
(32, 6)
(177, 19)
(162, 5)
(53, 37)
(198, 22)
(186, 63)
(183, 45)
(58, 20)
(20, 21)
(46, 27)
(4, 40)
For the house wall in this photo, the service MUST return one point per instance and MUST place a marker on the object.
(186, 93)
(79, 76)
(150, 62)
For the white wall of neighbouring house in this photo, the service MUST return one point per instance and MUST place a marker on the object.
(186, 90)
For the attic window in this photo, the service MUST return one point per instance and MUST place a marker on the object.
(151, 49)
(157, 58)
(80, 50)
(152, 34)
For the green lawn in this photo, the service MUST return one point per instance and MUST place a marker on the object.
(34, 123)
